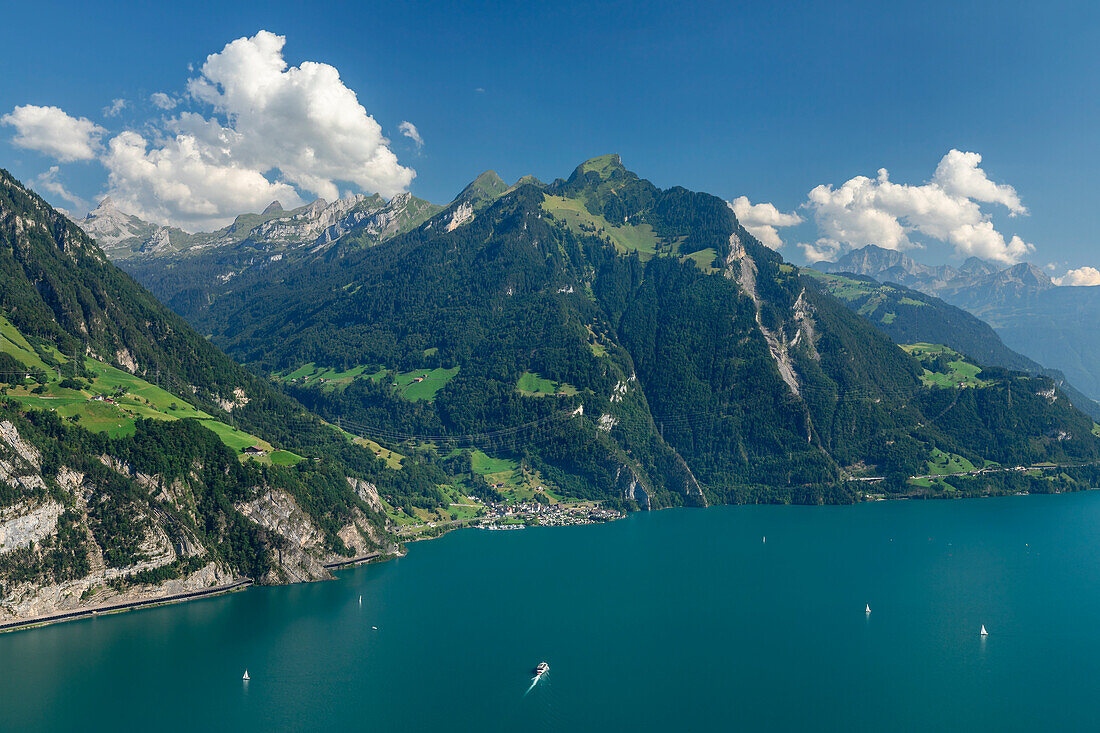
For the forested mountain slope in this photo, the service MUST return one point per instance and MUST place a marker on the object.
(121, 432)
(909, 316)
(1056, 325)
(627, 343)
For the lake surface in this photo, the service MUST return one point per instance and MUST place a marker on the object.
(676, 620)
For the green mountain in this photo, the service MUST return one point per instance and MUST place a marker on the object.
(123, 469)
(630, 344)
(909, 316)
(485, 187)
(1055, 325)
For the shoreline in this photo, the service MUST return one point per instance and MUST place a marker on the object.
(112, 608)
(369, 558)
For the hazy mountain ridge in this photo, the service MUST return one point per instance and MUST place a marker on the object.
(197, 267)
(1057, 326)
(910, 316)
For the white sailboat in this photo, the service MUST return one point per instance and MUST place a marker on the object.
(246, 677)
(984, 632)
(360, 600)
(868, 608)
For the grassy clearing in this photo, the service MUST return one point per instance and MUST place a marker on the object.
(12, 342)
(327, 378)
(842, 287)
(625, 237)
(943, 463)
(876, 295)
(703, 259)
(457, 507)
(237, 440)
(601, 164)
(419, 384)
(392, 459)
(485, 465)
(594, 344)
(430, 382)
(510, 479)
(113, 399)
(532, 385)
(944, 367)
(284, 458)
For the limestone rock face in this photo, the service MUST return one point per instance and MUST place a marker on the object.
(64, 504)
(21, 525)
(303, 556)
(367, 491)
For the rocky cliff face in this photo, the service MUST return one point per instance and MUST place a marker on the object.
(57, 552)
(112, 228)
(50, 517)
(309, 227)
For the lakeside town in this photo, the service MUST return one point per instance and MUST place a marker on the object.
(508, 516)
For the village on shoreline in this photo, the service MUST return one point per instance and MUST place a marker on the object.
(501, 515)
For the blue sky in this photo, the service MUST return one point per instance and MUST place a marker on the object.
(761, 100)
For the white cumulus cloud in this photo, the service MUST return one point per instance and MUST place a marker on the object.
(258, 130)
(163, 101)
(763, 220)
(822, 249)
(878, 211)
(114, 109)
(409, 130)
(1082, 276)
(51, 131)
(51, 183)
(960, 174)
(300, 120)
(178, 181)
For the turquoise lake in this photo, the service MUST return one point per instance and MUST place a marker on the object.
(675, 620)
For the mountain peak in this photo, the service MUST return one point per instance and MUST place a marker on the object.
(603, 165)
(528, 179)
(978, 266)
(871, 260)
(485, 187)
(273, 207)
(1026, 274)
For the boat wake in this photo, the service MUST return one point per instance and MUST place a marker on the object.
(540, 670)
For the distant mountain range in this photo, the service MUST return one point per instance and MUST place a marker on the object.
(909, 316)
(1056, 326)
(175, 264)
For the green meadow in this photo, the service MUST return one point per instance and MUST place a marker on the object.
(112, 400)
(959, 371)
(532, 385)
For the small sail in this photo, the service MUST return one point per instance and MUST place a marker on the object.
(246, 677)
(765, 540)
(984, 632)
(868, 608)
(360, 600)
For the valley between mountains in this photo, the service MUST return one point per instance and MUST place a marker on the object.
(323, 384)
